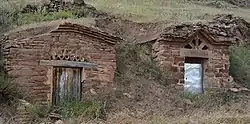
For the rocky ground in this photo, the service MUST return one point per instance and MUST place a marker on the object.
(240, 3)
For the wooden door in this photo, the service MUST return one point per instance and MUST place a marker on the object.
(66, 84)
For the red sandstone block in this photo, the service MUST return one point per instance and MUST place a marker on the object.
(181, 69)
(28, 62)
(209, 74)
(41, 93)
(179, 59)
(181, 81)
(226, 66)
(38, 78)
(91, 75)
(41, 86)
(218, 74)
(174, 69)
(42, 72)
(24, 72)
(95, 55)
(226, 71)
(210, 70)
(219, 66)
(175, 52)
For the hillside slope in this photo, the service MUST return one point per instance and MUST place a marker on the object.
(173, 11)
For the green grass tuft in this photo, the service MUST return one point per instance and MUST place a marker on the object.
(28, 18)
(240, 65)
(88, 109)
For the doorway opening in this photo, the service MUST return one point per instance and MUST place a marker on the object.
(194, 73)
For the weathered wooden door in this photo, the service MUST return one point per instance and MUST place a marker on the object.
(193, 78)
(66, 84)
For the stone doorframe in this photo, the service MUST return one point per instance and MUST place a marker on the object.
(63, 63)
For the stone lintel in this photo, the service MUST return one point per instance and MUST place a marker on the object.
(64, 63)
(195, 53)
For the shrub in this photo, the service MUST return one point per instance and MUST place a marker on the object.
(87, 109)
(11, 16)
(8, 90)
(7, 16)
(191, 96)
(68, 110)
(28, 18)
(134, 61)
(240, 65)
(39, 112)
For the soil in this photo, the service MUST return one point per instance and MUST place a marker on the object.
(5, 114)
(129, 30)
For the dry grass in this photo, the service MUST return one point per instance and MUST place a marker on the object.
(81, 21)
(19, 4)
(227, 114)
(159, 10)
(172, 11)
(199, 116)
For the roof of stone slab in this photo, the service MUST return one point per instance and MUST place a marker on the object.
(223, 29)
(62, 26)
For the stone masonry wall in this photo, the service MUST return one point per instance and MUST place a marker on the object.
(217, 68)
(22, 62)
(167, 56)
(93, 50)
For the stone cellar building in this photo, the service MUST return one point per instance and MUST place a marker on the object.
(60, 62)
(197, 53)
